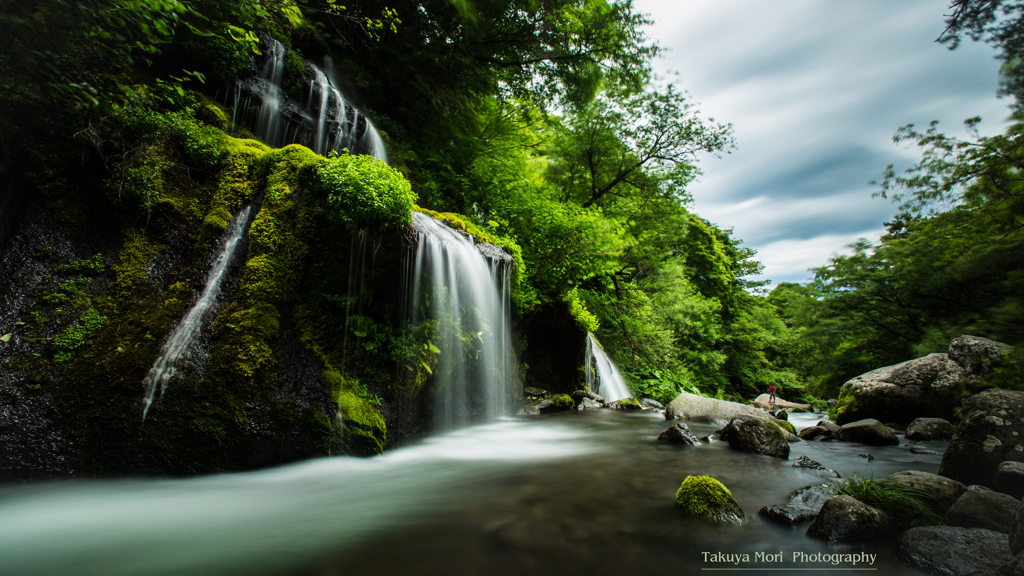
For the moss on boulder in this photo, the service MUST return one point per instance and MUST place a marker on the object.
(706, 498)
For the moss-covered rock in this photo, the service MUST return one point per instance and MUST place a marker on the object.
(706, 498)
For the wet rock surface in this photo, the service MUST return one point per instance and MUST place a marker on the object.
(843, 519)
(708, 410)
(868, 431)
(953, 551)
(589, 404)
(940, 491)
(808, 464)
(822, 431)
(751, 434)
(924, 429)
(991, 431)
(981, 507)
(679, 433)
(804, 505)
(977, 355)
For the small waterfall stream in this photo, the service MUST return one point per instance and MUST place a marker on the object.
(326, 122)
(179, 344)
(467, 295)
(602, 375)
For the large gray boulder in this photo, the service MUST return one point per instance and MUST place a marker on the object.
(981, 507)
(868, 431)
(821, 431)
(924, 429)
(1009, 479)
(953, 551)
(939, 492)
(708, 410)
(804, 504)
(845, 519)
(977, 355)
(991, 431)
(924, 387)
(752, 434)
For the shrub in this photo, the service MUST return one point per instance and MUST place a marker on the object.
(363, 191)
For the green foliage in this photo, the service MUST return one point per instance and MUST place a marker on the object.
(363, 191)
(706, 498)
(906, 505)
(584, 319)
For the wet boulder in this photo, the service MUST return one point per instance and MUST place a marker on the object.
(977, 356)
(579, 395)
(679, 433)
(1009, 479)
(953, 551)
(706, 498)
(923, 387)
(938, 491)
(808, 464)
(652, 404)
(868, 431)
(624, 404)
(751, 434)
(708, 410)
(804, 504)
(556, 404)
(925, 429)
(589, 404)
(991, 431)
(822, 431)
(763, 401)
(531, 392)
(844, 519)
(981, 507)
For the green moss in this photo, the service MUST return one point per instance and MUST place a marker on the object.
(631, 402)
(211, 113)
(785, 425)
(847, 402)
(563, 401)
(74, 336)
(365, 432)
(706, 498)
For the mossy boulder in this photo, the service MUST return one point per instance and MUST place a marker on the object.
(708, 499)
(625, 404)
(556, 404)
(844, 519)
(991, 431)
(751, 434)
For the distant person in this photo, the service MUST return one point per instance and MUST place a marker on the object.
(771, 394)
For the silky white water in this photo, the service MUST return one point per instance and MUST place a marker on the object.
(268, 125)
(602, 375)
(179, 344)
(467, 296)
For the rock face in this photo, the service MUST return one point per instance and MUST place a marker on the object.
(804, 504)
(953, 551)
(924, 429)
(980, 507)
(868, 431)
(708, 410)
(752, 434)
(707, 498)
(679, 433)
(977, 356)
(990, 432)
(1009, 479)
(924, 387)
(942, 492)
(844, 519)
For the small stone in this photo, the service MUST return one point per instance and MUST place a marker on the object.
(919, 450)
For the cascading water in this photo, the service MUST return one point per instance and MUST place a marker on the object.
(326, 122)
(467, 295)
(602, 375)
(178, 346)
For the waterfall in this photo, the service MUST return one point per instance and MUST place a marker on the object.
(602, 375)
(179, 344)
(467, 295)
(325, 122)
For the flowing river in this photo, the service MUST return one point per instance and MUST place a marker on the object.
(567, 493)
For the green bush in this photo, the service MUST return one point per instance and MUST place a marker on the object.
(363, 191)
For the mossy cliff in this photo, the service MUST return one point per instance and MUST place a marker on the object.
(300, 356)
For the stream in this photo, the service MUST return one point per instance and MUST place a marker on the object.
(566, 493)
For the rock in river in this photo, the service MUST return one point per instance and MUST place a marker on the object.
(752, 434)
(924, 429)
(679, 433)
(991, 431)
(707, 498)
(844, 519)
(1009, 479)
(868, 431)
(981, 507)
(708, 410)
(953, 551)
(804, 504)
(940, 492)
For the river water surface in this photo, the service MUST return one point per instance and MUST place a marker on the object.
(569, 493)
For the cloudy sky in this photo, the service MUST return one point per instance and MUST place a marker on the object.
(816, 89)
